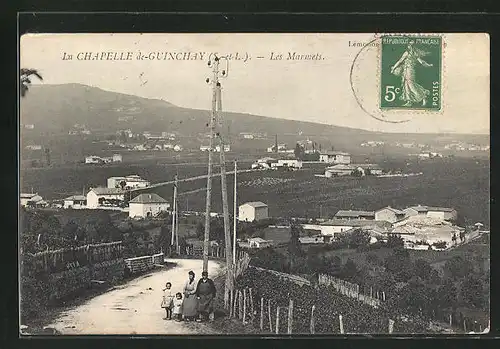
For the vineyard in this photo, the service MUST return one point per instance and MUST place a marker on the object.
(316, 309)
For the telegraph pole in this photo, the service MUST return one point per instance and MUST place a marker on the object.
(234, 215)
(214, 82)
(225, 207)
(174, 210)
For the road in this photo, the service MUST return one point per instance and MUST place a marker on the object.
(180, 180)
(134, 308)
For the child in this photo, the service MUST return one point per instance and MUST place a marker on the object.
(177, 307)
(167, 301)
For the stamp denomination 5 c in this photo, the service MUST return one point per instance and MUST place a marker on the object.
(410, 72)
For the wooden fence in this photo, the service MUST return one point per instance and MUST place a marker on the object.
(56, 261)
(260, 312)
(374, 298)
(142, 264)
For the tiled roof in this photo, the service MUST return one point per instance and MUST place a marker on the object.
(147, 199)
(255, 204)
(440, 209)
(349, 213)
(357, 223)
(76, 198)
(107, 191)
(395, 210)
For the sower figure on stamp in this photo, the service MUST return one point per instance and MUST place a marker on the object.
(405, 67)
(206, 295)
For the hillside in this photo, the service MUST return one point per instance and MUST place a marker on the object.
(55, 109)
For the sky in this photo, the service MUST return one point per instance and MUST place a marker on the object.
(321, 89)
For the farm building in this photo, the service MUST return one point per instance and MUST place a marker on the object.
(444, 213)
(117, 158)
(347, 169)
(131, 181)
(418, 210)
(32, 199)
(253, 211)
(75, 202)
(259, 243)
(147, 205)
(335, 157)
(204, 147)
(349, 214)
(227, 148)
(97, 195)
(334, 227)
(281, 148)
(92, 159)
(289, 163)
(428, 229)
(389, 214)
(316, 239)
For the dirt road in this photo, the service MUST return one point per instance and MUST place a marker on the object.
(134, 308)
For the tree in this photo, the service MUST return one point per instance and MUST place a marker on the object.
(25, 79)
(299, 151)
(357, 173)
(294, 247)
(447, 294)
(422, 269)
(458, 267)
(472, 291)
(355, 239)
(349, 271)
(399, 264)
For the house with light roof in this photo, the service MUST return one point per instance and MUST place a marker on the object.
(253, 211)
(147, 205)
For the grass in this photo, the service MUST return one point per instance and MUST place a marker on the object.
(459, 183)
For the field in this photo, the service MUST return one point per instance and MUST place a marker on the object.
(459, 183)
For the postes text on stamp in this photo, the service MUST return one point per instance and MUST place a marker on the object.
(410, 75)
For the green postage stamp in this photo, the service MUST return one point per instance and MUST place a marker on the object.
(410, 76)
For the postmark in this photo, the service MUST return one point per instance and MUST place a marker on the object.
(411, 73)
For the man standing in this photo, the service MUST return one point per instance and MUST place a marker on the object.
(205, 291)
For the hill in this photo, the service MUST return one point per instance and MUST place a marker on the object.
(54, 109)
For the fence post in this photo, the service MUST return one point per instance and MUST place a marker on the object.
(450, 321)
(312, 319)
(465, 327)
(251, 303)
(270, 316)
(383, 295)
(244, 304)
(391, 325)
(341, 324)
(278, 320)
(240, 305)
(290, 316)
(262, 313)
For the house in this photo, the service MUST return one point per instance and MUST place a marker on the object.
(147, 205)
(178, 147)
(92, 159)
(290, 163)
(253, 211)
(339, 170)
(349, 214)
(335, 226)
(316, 239)
(75, 202)
(204, 147)
(428, 229)
(281, 148)
(259, 243)
(444, 213)
(372, 169)
(96, 196)
(30, 200)
(34, 147)
(418, 210)
(117, 158)
(335, 157)
(389, 214)
(131, 181)
(227, 148)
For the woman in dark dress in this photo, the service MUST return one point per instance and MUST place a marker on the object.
(205, 291)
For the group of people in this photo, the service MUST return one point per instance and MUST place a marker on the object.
(195, 303)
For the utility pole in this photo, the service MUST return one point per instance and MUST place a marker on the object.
(174, 210)
(234, 215)
(214, 82)
(225, 207)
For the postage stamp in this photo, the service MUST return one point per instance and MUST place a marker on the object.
(410, 73)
